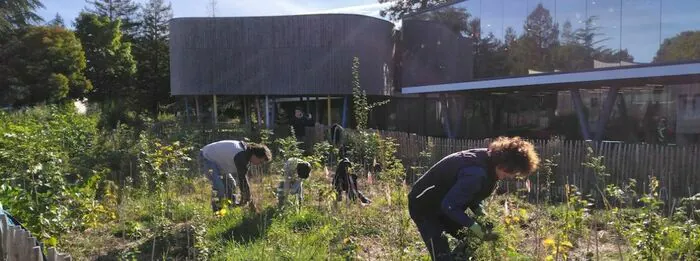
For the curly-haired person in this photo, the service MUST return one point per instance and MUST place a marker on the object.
(439, 198)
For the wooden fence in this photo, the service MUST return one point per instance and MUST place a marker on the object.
(17, 244)
(676, 167)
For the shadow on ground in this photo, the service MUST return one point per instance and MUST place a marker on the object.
(253, 227)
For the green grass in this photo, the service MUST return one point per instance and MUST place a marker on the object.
(185, 227)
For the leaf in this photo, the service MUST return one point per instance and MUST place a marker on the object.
(52, 241)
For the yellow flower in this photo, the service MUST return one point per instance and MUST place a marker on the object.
(548, 242)
(221, 212)
(566, 245)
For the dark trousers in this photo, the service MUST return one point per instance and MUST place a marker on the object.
(431, 228)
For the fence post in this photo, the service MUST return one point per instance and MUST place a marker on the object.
(3, 237)
(52, 255)
(36, 253)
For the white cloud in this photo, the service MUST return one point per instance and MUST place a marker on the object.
(366, 9)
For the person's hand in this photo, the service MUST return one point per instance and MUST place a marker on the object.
(485, 233)
(479, 210)
(478, 231)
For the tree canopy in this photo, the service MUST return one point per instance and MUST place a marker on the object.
(45, 64)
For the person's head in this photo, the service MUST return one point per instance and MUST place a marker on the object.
(303, 169)
(344, 165)
(298, 112)
(513, 157)
(259, 153)
(377, 167)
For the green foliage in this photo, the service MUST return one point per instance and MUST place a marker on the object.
(682, 47)
(44, 65)
(361, 107)
(18, 14)
(288, 147)
(363, 147)
(41, 183)
(152, 55)
(367, 147)
(321, 153)
(547, 170)
(400, 8)
(393, 167)
(110, 65)
(159, 161)
(124, 11)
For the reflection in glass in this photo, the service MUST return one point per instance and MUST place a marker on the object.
(640, 28)
(522, 37)
(680, 38)
(604, 17)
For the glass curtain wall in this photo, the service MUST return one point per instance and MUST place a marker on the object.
(522, 37)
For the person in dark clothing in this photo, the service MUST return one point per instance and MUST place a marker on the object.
(345, 181)
(337, 138)
(438, 200)
(300, 122)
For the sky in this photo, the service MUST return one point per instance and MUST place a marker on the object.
(636, 25)
(69, 9)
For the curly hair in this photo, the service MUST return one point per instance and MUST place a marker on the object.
(260, 150)
(515, 155)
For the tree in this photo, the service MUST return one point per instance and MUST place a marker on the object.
(57, 21)
(152, 54)
(18, 14)
(541, 28)
(535, 49)
(510, 36)
(491, 58)
(682, 47)
(45, 64)
(124, 10)
(403, 7)
(110, 66)
(456, 19)
(567, 33)
(581, 46)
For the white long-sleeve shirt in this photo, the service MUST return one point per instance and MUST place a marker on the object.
(291, 182)
(223, 152)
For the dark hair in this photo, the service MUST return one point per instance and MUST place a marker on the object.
(377, 167)
(336, 133)
(515, 155)
(303, 169)
(260, 151)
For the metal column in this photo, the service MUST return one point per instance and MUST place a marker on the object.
(582, 119)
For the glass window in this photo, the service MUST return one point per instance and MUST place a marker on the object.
(641, 25)
(603, 27)
(680, 22)
(514, 14)
(682, 105)
(572, 55)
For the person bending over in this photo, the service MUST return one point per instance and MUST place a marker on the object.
(438, 200)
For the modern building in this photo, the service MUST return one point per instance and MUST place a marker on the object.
(592, 69)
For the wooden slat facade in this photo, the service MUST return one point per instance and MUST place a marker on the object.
(280, 55)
